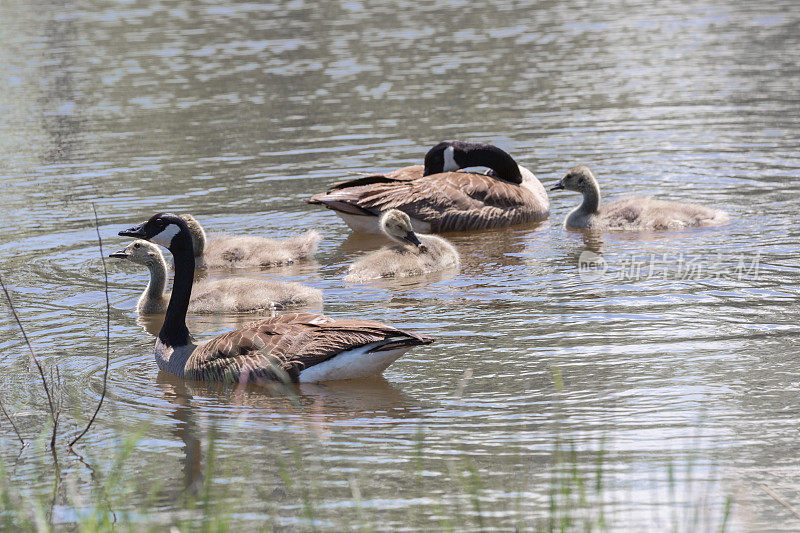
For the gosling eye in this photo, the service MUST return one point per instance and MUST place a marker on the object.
(137, 245)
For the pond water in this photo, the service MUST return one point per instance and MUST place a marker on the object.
(661, 393)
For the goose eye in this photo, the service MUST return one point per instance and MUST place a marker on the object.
(137, 245)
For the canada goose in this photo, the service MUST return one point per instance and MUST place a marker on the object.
(240, 295)
(439, 197)
(413, 256)
(302, 347)
(631, 214)
(227, 251)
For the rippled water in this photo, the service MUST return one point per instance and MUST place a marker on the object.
(680, 385)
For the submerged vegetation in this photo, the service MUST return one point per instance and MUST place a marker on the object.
(292, 496)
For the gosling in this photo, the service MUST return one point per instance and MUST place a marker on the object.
(231, 251)
(215, 296)
(414, 254)
(630, 214)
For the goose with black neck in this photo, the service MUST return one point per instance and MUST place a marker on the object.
(297, 347)
(439, 196)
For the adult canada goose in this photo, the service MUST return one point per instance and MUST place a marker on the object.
(439, 197)
(302, 347)
(412, 256)
(238, 295)
(227, 251)
(632, 214)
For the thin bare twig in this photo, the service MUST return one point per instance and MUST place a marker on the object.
(108, 330)
(56, 384)
(780, 500)
(56, 485)
(33, 354)
(12, 424)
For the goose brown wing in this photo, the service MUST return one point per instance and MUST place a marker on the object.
(279, 348)
(452, 200)
(401, 174)
(344, 196)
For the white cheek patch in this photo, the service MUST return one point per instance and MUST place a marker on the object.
(164, 238)
(450, 164)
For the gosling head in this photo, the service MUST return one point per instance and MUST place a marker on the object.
(141, 253)
(197, 232)
(166, 229)
(577, 179)
(397, 225)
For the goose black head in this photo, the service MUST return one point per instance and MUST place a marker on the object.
(442, 158)
(166, 229)
(449, 156)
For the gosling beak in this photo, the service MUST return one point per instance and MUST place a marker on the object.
(119, 254)
(136, 231)
(412, 238)
(558, 186)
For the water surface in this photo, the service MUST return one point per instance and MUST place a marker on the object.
(681, 384)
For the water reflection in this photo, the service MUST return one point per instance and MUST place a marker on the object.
(322, 403)
(186, 429)
(358, 243)
(150, 323)
(312, 409)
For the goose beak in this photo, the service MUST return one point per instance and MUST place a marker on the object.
(136, 231)
(119, 254)
(558, 186)
(412, 238)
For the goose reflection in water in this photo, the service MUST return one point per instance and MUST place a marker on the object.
(307, 409)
